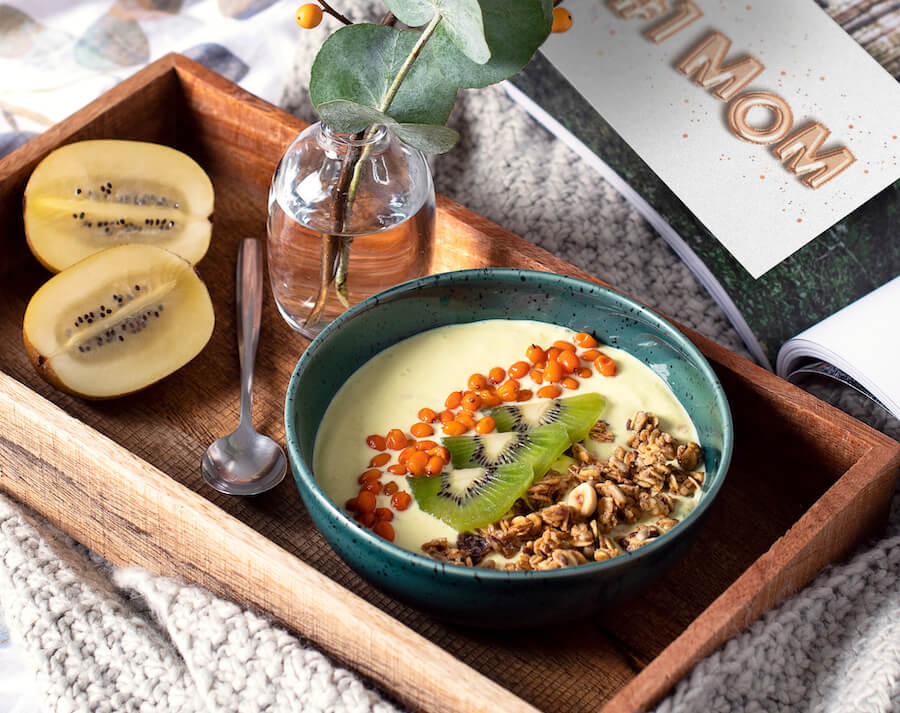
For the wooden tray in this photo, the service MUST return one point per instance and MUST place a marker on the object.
(807, 482)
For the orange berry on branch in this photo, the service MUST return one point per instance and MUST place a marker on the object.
(562, 19)
(310, 15)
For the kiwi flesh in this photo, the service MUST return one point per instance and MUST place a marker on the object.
(92, 195)
(117, 321)
(466, 498)
(577, 413)
(538, 447)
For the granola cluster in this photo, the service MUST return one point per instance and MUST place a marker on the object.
(569, 518)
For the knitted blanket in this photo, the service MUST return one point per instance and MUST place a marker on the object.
(97, 638)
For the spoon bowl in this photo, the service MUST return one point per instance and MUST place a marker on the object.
(246, 462)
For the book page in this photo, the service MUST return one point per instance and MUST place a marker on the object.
(754, 202)
(862, 340)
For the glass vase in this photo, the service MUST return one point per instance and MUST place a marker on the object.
(370, 199)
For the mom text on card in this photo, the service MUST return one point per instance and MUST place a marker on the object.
(705, 64)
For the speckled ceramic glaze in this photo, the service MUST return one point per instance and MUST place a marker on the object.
(480, 597)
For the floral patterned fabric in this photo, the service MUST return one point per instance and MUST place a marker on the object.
(58, 55)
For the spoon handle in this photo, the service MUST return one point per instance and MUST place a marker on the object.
(249, 310)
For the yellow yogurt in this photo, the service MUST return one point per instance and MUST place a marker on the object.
(389, 390)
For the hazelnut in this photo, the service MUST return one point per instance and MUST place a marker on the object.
(583, 499)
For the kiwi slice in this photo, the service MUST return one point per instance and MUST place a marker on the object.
(577, 413)
(466, 498)
(117, 321)
(538, 447)
(92, 195)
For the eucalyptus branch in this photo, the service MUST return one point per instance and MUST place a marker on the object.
(334, 13)
(344, 195)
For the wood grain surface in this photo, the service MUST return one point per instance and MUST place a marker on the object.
(807, 482)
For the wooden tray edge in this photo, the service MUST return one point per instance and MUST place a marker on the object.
(40, 440)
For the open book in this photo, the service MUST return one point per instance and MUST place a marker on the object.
(761, 141)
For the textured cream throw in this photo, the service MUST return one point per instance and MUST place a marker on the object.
(101, 639)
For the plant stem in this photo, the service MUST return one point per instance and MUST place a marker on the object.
(344, 194)
(334, 13)
(407, 64)
(340, 280)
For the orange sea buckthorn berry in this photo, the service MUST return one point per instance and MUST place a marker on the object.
(391, 488)
(564, 346)
(489, 398)
(550, 391)
(385, 514)
(426, 415)
(508, 390)
(384, 529)
(420, 430)
(365, 501)
(401, 500)
(454, 399)
(373, 486)
(554, 372)
(585, 340)
(397, 469)
(396, 439)
(568, 361)
(417, 462)
(376, 442)
(446, 415)
(441, 452)
(570, 383)
(471, 401)
(380, 460)
(562, 20)
(366, 519)
(466, 419)
(524, 395)
(425, 445)
(605, 365)
(309, 16)
(497, 375)
(405, 454)
(485, 425)
(535, 354)
(552, 353)
(454, 428)
(435, 465)
(585, 372)
(590, 355)
(477, 381)
(351, 504)
(369, 475)
(537, 376)
(519, 369)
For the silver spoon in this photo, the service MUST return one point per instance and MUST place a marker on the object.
(246, 462)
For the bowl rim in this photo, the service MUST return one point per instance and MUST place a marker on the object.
(413, 559)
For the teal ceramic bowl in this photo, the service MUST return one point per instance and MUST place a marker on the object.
(493, 598)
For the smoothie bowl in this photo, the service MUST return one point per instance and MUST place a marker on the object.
(506, 448)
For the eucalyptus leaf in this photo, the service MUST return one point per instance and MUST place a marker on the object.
(350, 117)
(429, 138)
(411, 12)
(514, 30)
(460, 20)
(359, 62)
